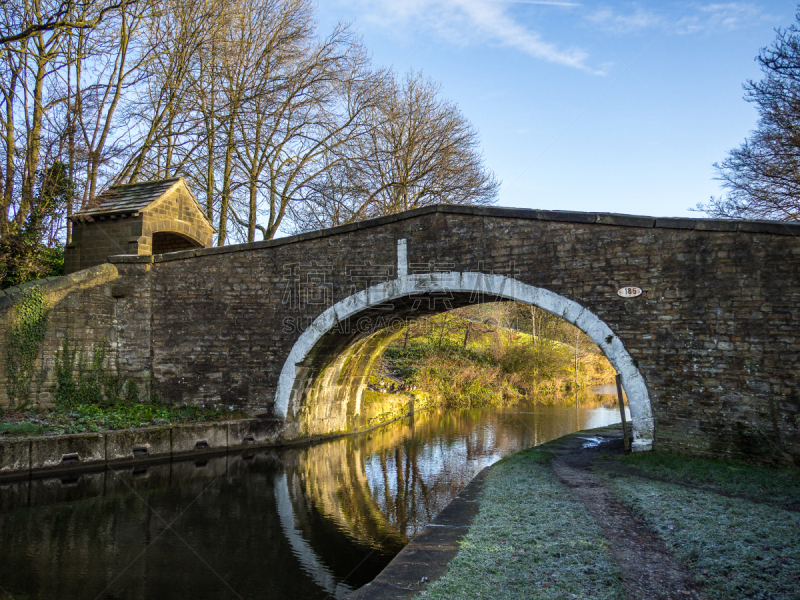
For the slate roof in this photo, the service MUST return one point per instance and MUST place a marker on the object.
(129, 198)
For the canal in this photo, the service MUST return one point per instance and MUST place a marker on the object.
(301, 522)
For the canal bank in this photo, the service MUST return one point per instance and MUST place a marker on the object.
(44, 455)
(575, 518)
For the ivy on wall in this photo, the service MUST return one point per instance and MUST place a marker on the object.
(24, 343)
(81, 378)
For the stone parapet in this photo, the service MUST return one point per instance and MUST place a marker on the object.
(57, 287)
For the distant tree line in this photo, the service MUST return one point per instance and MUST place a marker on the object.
(276, 127)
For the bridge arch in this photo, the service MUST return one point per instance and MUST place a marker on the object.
(175, 240)
(172, 235)
(297, 373)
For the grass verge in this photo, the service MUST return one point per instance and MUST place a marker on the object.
(531, 539)
(86, 418)
(764, 482)
(733, 547)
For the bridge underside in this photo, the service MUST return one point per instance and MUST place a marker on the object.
(328, 389)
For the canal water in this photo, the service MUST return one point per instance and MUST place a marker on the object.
(302, 522)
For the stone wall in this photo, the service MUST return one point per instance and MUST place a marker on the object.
(82, 309)
(715, 335)
(175, 213)
(94, 241)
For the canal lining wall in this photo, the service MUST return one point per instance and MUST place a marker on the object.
(27, 456)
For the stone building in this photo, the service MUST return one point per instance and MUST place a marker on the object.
(154, 217)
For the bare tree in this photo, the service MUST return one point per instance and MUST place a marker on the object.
(164, 116)
(322, 105)
(251, 100)
(28, 68)
(419, 150)
(762, 176)
(260, 123)
(60, 85)
(17, 26)
(270, 120)
(281, 97)
(106, 68)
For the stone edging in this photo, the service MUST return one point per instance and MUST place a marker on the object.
(29, 456)
(428, 555)
(23, 457)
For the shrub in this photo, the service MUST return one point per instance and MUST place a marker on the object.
(471, 364)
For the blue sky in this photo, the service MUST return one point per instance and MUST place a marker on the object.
(589, 106)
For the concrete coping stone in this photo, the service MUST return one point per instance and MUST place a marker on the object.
(31, 456)
(565, 216)
(610, 219)
(773, 227)
(428, 555)
(716, 225)
(625, 220)
(674, 223)
(22, 457)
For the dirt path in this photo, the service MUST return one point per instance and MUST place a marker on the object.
(648, 568)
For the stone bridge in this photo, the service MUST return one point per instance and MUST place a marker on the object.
(709, 353)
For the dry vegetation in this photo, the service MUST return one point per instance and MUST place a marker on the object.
(487, 355)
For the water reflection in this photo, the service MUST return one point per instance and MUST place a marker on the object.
(305, 522)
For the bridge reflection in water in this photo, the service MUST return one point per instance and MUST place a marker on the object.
(303, 522)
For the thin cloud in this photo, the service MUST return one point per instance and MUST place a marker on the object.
(706, 18)
(498, 25)
(546, 3)
(716, 17)
(638, 20)
(472, 22)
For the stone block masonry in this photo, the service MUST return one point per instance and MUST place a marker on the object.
(143, 218)
(715, 336)
(22, 457)
(82, 308)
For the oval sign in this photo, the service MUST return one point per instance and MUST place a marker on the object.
(629, 292)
